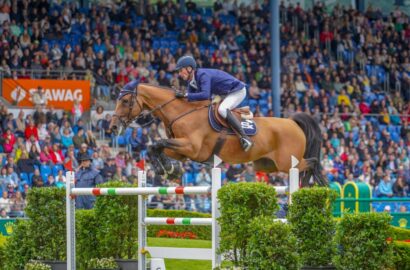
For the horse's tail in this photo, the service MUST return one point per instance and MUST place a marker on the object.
(313, 147)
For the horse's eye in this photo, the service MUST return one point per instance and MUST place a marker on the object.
(125, 101)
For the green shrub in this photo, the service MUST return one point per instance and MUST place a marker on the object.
(20, 247)
(401, 253)
(362, 238)
(46, 211)
(202, 232)
(271, 246)
(37, 266)
(117, 223)
(86, 239)
(310, 215)
(239, 204)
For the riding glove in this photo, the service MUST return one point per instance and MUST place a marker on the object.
(180, 94)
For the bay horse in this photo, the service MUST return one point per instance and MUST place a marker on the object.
(190, 135)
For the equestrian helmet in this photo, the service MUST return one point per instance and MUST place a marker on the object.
(185, 61)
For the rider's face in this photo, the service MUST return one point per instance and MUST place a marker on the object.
(185, 73)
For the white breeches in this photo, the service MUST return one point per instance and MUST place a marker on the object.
(231, 101)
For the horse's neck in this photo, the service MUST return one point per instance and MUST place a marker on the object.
(153, 97)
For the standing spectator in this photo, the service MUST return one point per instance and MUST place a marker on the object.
(20, 124)
(77, 111)
(86, 177)
(38, 98)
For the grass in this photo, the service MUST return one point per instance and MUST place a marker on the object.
(172, 264)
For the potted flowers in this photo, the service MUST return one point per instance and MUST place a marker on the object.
(102, 264)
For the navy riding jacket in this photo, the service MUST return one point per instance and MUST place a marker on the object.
(208, 82)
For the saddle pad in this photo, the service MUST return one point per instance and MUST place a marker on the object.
(249, 126)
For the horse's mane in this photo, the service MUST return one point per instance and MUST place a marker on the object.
(159, 86)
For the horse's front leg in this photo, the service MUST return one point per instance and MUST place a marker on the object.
(168, 151)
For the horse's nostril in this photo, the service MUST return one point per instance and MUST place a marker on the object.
(114, 127)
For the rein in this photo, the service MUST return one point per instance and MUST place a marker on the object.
(134, 99)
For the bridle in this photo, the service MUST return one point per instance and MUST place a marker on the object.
(134, 99)
(125, 123)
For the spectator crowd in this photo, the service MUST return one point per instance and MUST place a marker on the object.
(349, 69)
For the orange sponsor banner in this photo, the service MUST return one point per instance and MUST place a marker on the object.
(60, 94)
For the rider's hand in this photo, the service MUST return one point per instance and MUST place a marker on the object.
(180, 94)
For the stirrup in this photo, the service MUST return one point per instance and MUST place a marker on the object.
(246, 144)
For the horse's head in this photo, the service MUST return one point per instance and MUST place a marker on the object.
(127, 109)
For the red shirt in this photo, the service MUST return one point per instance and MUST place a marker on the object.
(31, 131)
(12, 138)
(56, 155)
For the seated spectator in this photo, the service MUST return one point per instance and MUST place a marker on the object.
(203, 178)
(98, 162)
(56, 154)
(8, 135)
(20, 124)
(31, 131)
(400, 187)
(254, 91)
(55, 135)
(109, 169)
(79, 138)
(7, 146)
(18, 203)
(12, 177)
(5, 202)
(97, 118)
(70, 162)
(42, 132)
(51, 182)
(26, 164)
(60, 177)
(156, 202)
(106, 125)
(37, 180)
(3, 178)
(32, 141)
(234, 172)
(3, 213)
(45, 155)
(120, 160)
(90, 139)
(67, 138)
(385, 188)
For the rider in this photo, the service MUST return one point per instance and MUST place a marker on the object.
(203, 83)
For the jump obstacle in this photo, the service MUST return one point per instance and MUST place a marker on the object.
(143, 221)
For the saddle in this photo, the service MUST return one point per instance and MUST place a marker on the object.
(243, 114)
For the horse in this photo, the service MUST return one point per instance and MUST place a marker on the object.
(190, 136)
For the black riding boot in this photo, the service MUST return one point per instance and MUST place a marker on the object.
(246, 142)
